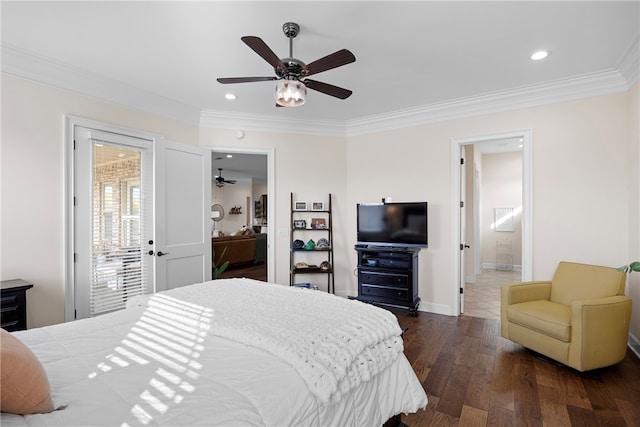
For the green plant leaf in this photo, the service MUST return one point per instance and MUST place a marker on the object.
(634, 266)
(218, 270)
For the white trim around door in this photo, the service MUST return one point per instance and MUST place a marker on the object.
(527, 206)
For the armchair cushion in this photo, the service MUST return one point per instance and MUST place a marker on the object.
(543, 316)
(573, 281)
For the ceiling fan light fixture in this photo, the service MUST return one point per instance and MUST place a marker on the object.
(290, 93)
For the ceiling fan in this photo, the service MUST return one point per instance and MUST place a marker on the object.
(220, 181)
(292, 73)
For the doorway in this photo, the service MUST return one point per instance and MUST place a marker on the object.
(242, 191)
(467, 270)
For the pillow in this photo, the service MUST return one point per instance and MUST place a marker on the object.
(24, 384)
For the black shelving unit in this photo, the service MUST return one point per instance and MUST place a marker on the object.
(388, 276)
(302, 229)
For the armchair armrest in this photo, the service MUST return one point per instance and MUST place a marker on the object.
(600, 329)
(515, 293)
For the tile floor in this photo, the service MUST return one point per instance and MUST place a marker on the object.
(482, 299)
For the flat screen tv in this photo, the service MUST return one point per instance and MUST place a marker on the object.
(393, 224)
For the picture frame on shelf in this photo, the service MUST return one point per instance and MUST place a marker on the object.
(299, 223)
(318, 223)
(300, 206)
(317, 206)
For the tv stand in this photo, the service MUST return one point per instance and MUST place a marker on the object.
(388, 276)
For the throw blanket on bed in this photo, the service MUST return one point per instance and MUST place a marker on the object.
(334, 343)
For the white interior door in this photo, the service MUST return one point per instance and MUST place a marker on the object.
(182, 241)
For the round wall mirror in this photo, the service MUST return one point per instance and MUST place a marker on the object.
(217, 212)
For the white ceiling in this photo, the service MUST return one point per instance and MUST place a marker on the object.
(408, 54)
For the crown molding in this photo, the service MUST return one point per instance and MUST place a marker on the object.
(629, 65)
(268, 123)
(54, 73)
(527, 96)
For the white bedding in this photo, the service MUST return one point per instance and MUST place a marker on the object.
(141, 367)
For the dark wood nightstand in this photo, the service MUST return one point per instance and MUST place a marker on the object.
(13, 304)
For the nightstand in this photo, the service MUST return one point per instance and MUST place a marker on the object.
(13, 304)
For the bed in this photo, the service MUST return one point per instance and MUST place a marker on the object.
(232, 352)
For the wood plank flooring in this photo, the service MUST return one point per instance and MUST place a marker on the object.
(474, 377)
(250, 271)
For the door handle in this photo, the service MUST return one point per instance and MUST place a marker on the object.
(160, 253)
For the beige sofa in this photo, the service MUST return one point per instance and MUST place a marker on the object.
(580, 318)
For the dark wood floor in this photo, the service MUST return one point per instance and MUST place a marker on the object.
(474, 377)
(251, 271)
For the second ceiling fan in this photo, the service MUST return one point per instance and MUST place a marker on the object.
(292, 73)
(220, 181)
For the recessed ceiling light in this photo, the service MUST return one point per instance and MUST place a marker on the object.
(229, 156)
(230, 96)
(541, 54)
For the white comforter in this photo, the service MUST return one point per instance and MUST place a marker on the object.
(142, 366)
(334, 344)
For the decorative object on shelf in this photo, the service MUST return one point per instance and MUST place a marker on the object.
(322, 244)
(321, 225)
(318, 223)
(260, 207)
(236, 210)
(302, 285)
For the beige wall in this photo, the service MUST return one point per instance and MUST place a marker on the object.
(582, 201)
(32, 183)
(580, 183)
(229, 196)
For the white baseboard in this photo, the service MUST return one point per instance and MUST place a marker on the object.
(634, 345)
(494, 266)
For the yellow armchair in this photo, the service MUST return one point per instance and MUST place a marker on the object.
(580, 318)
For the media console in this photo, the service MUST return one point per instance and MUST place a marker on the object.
(388, 276)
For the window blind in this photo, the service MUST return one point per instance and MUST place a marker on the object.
(118, 269)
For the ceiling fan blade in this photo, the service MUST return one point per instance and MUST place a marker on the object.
(264, 51)
(328, 89)
(227, 80)
(334, 60)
